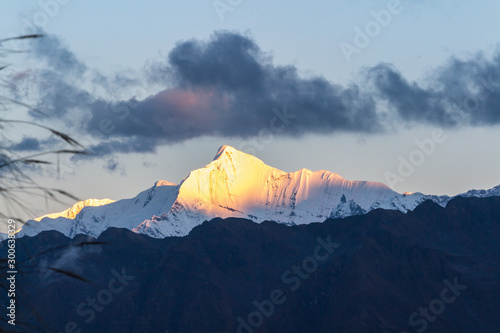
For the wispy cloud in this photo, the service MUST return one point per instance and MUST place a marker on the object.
(28, 143)
(462, 93)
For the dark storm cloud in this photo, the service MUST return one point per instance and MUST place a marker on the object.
(32, 144)
(461, 93)
(58, 56)
(27, 144)
(126, 146)
(58, 96)
(228, 61)
(228, 87)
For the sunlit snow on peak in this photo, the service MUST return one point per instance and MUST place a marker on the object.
(73, 211)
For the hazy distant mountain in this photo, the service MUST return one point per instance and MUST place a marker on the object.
(234, 184)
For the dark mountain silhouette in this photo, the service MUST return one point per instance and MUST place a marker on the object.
(367, 273)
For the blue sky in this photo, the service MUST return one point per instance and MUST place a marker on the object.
(417, 42)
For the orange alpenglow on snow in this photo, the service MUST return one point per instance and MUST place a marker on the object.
(239, 184)
(233, 184)
(71, 212)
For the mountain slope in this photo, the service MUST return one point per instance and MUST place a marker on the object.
(235, 184)
(73, 211)
(384, 267)
(121, 214)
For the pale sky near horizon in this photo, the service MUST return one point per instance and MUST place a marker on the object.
(124, 37)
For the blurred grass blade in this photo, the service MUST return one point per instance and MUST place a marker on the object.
(73, 275)
(21, 37)
(36, 162)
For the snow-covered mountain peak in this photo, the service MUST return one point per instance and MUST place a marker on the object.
(164, 183)
(228, 156)
(234, 184)
(73, 211)
(224, 151)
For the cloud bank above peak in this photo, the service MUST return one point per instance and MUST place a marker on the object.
(227, 86)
